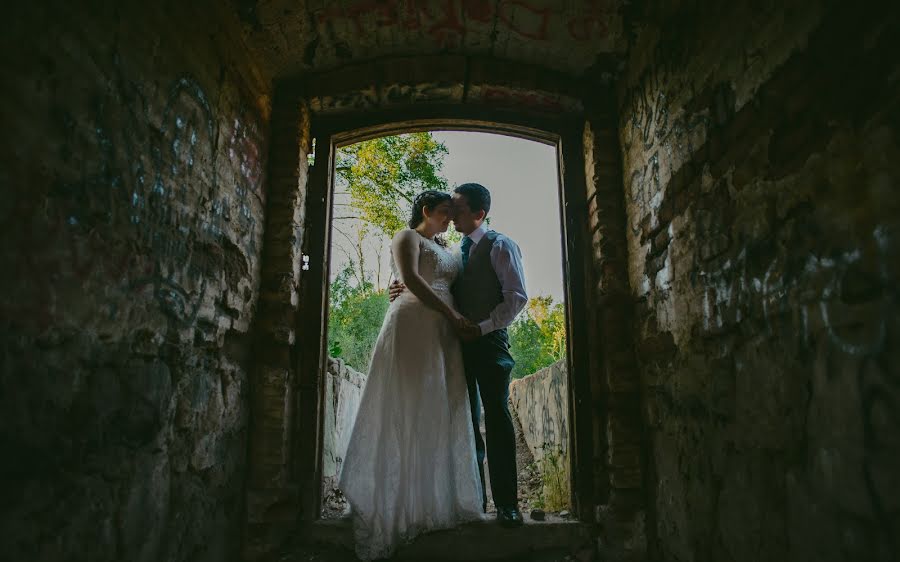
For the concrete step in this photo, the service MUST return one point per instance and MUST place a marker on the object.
(536, 541)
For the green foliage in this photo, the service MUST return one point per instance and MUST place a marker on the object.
(554, 479)
(452, 236)
(355, 316)
(383, 176)
(538, 337)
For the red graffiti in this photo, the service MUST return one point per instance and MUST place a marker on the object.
(534, 100)
(448, 29)
(385, 12)
(244, 153)
(522, 20)
(448, 20)
(594, 23)
(478, 10)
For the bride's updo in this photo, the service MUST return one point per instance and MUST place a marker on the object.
(426, 200)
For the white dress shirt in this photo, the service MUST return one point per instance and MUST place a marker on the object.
(506, 259)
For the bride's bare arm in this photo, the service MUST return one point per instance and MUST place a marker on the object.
(405, 247)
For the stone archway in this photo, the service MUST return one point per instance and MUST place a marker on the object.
(402, 95)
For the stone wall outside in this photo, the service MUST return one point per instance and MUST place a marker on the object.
(540, 401)
(343, 391)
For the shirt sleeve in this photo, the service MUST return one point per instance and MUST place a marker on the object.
(506, 259)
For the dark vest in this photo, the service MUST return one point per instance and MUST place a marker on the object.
(477, 290)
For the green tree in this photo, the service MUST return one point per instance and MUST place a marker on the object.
(551, 319)
(384, 175)
(538, 336)
(355, 316)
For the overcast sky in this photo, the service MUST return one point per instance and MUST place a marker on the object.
(522, 178)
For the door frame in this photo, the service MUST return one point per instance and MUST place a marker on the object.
(333, 131)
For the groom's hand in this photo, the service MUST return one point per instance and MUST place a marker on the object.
(396, 289)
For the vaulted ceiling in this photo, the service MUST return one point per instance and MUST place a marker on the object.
(298, 36)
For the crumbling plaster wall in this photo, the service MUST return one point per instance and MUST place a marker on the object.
(761, 159)
(344, 387)
(132, 219)
(540, 402)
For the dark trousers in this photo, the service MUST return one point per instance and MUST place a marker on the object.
(488, 365)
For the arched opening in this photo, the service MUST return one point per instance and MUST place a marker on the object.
(375, 183)
(309, 120)
(315, 286)
(314, 291)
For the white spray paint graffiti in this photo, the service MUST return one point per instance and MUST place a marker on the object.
(731, 294)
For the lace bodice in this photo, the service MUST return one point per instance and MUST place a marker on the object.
(438, 266)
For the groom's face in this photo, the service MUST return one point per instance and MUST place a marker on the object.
(464, 220)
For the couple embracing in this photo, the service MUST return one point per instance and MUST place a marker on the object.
(415, 461)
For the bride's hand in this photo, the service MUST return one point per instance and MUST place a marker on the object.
(460, 322)
(457, 319)
(396, 289)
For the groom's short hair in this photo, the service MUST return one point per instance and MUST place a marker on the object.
(478, 196)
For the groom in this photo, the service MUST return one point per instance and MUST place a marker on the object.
(489, 292)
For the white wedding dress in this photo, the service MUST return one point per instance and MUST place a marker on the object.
(410, 465)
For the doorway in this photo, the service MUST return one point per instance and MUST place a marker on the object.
(375, 182)
(329, 137)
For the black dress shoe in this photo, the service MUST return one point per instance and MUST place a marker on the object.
(509, 516)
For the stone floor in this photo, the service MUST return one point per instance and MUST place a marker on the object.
(554, 540)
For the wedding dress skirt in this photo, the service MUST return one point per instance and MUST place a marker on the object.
(410, 464)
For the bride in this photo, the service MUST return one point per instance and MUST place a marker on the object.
(410, 465)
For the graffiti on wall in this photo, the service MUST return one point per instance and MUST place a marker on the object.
(153, 208)
(448, 21)
(657, 137)
(823, 305)
(793, 294)
(541, 404)
(387, 95)
(399, 94)
(528, 99)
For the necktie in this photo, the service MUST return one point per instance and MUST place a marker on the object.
(465, 247)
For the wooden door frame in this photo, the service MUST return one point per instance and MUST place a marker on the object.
(330, 132)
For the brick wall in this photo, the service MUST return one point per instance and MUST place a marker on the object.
(760, 157)
(615, 391)
(134, 150)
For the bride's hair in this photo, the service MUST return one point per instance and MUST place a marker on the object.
(426, 200)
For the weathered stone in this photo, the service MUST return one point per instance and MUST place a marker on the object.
(540, 401)
(771, 295)
(137, 249)
(741, 227)
(343, 391)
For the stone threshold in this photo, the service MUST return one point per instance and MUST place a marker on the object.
(555, 539)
